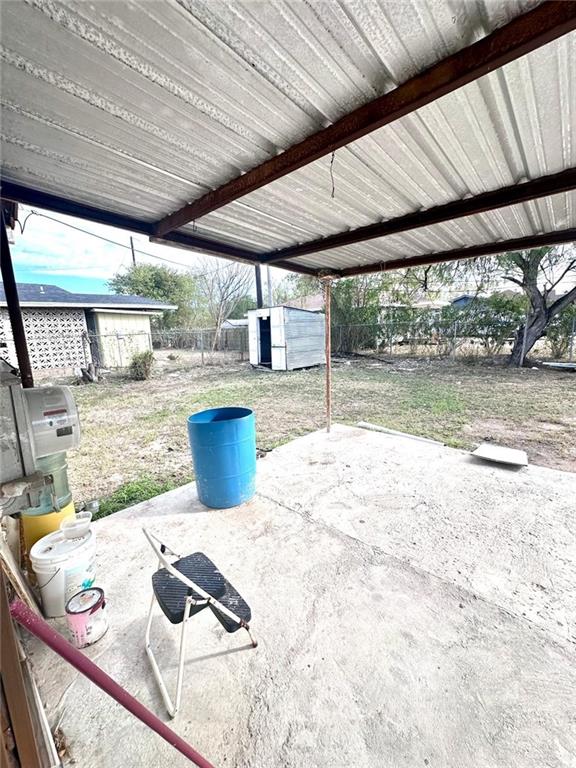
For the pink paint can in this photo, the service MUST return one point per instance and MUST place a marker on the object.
(86, 616)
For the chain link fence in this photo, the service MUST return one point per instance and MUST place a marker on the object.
(424, 335)
(173, 349)
(442, 339)
(204, 346)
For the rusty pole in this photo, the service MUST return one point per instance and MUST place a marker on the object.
(328, 350)
(14, 311)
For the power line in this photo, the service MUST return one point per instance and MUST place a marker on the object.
(122, 245)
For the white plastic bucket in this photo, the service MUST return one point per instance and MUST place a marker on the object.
(63, 567)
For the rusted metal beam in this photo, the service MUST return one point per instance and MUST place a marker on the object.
(545, 23)
(190, 243)
(28, 196)
(487, 249)
(487, 201)
(187, 241)
(14, 311)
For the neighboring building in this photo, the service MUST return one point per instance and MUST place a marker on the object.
(232, 324)
(462, 301)
(70, 330)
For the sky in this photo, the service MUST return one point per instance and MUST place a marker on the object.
(53, 250)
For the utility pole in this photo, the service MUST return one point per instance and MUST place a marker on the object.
(259, 302)
(269, 284)
(133, 252)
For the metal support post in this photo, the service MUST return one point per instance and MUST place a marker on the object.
(258, 275)
(14, 311)
(328, 350)
(269, 285)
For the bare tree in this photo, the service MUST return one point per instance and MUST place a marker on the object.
(220, 291)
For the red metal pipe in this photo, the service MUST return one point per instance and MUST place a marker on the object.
(43, 631)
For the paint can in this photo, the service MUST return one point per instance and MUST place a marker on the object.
(86, 616)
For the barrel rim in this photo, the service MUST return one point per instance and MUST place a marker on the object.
(243, 413)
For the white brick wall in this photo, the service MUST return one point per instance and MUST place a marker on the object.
(54, 336)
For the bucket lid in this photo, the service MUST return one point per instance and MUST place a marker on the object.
(57, 547)
(86, 601)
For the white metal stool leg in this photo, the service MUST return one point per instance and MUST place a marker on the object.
(182, 654)
(171, 707)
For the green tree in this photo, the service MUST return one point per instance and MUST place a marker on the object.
(540, 273)
(561, 330)
(164, 284)
(296, 286)
(244, 305)
(355, 309)
(545, 275)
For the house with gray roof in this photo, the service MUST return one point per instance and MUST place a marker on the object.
(68, 330)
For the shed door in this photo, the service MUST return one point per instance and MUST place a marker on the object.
(265, 341)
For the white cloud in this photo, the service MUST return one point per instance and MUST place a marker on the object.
(52, 245)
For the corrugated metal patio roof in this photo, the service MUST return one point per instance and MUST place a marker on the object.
(136, 109)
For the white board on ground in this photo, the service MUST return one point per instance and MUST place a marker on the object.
(501, 455)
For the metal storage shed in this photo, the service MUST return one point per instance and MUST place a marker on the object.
(286, 338)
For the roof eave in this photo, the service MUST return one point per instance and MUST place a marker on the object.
(138, 309)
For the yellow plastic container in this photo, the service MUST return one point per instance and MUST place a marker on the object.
(34, 527)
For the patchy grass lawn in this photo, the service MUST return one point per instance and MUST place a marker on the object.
(134, 430)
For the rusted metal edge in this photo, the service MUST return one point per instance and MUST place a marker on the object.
(190, 242)
(186, 242)
(545, 186)
(524, 34)
(50, 202)
(485, 249)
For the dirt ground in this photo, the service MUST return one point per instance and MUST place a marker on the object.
(131, 429)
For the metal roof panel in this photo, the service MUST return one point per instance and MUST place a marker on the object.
(140, 107)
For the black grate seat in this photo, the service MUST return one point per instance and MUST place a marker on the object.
(232, 600)
(172, 593)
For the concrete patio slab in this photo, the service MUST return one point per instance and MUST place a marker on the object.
(413, 607)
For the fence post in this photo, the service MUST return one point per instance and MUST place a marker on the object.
(572, 338)
(202, 347)
(454, 339)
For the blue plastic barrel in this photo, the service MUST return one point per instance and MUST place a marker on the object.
(223, 444)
